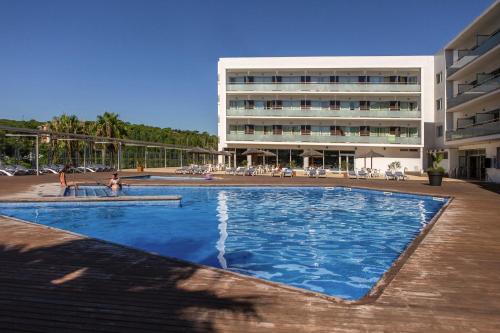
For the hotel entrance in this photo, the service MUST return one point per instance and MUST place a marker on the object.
(472, 164)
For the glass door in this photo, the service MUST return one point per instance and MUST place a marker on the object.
(346, 162)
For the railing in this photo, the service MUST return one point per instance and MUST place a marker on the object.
(467, 56)
(326, 87)
(324, 138)
(289, 112)
(475, 91)
(490, 128)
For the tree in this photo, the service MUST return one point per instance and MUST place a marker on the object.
(110, 126)
(65, 124)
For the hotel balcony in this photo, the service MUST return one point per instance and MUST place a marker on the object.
(470, 92)
(474, 131)
(481, 124)
(486, 43)
(325, 139)
(320, 113)
(324, 87)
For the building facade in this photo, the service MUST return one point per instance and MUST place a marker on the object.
(343, 107)
(467, 93)
(401, 108)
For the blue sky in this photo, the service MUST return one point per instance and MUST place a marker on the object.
(155, 62)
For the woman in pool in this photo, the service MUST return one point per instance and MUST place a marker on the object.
(115, 183)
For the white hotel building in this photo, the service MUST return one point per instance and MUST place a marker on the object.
(401, 107)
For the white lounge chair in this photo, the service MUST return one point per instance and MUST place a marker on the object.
(398, 175)
(389, 175)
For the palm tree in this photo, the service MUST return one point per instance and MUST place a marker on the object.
(65, 124)
(110, 126)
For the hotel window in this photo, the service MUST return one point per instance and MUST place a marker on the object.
(249, 104)
(334, 79)
(277, 129)
(396, 131)
(439, 103)
(354, 105)
(305, 79)
(394, 105)
(305, 104)
(238, 105)
(439, 77)
(403, 79)
(364, 105)
(305, 129)
(363, 79)
(276, 79)
(334, 105)
(261, 105)
(393, 79)
(412, 79)
(412, 106)
(375, 79)
(439, 131)
(249, 129)
(268, 129)
(413, 132)
(291, 129)
(337, 130)
(276, 104)
(249, 79)
(237, 79)
(364, 130)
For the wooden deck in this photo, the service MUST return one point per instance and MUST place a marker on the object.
(53, 281)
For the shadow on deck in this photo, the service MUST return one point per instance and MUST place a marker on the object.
(114, 289)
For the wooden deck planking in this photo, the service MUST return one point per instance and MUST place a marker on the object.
(449, 284)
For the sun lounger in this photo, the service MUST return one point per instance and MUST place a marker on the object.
(250, 171)
(275, 172)
(320, 173)
(398, 175)
(240, 171)
(230, 171)
(352, 174)
(389, 175)
(362, 174)
(311, 172)
(287, 172)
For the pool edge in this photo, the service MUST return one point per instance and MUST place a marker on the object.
(374, 293)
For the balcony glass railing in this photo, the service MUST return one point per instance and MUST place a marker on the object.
(475, 91)
(324, 138)
(286, 112)
(325, 87)
(467, 56)
(490, 128)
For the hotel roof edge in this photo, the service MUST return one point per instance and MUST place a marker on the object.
(472, 25)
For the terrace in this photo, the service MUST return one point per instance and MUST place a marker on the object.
(56, 281)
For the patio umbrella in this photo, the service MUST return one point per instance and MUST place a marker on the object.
(311, 153)
(371, 154)
(199, 151)
(253, 151)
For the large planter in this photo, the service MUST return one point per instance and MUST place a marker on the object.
(140, 169)
(435, 178)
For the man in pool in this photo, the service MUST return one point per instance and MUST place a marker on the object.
(115, 183)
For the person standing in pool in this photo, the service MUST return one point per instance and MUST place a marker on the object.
(62, 176)
(115, 183)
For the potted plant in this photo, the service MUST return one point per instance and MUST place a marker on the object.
(435, 172)
(140, 165)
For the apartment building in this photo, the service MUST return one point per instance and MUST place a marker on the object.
(398, 108)
(467, 93)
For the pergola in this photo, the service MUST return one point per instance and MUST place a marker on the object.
(37, 133)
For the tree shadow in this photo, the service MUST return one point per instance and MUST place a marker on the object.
(492, 187)
(86, 284)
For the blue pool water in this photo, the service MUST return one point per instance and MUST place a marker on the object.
(334, 241)
(149, 177)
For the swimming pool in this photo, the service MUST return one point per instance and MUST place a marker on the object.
(335, 241)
